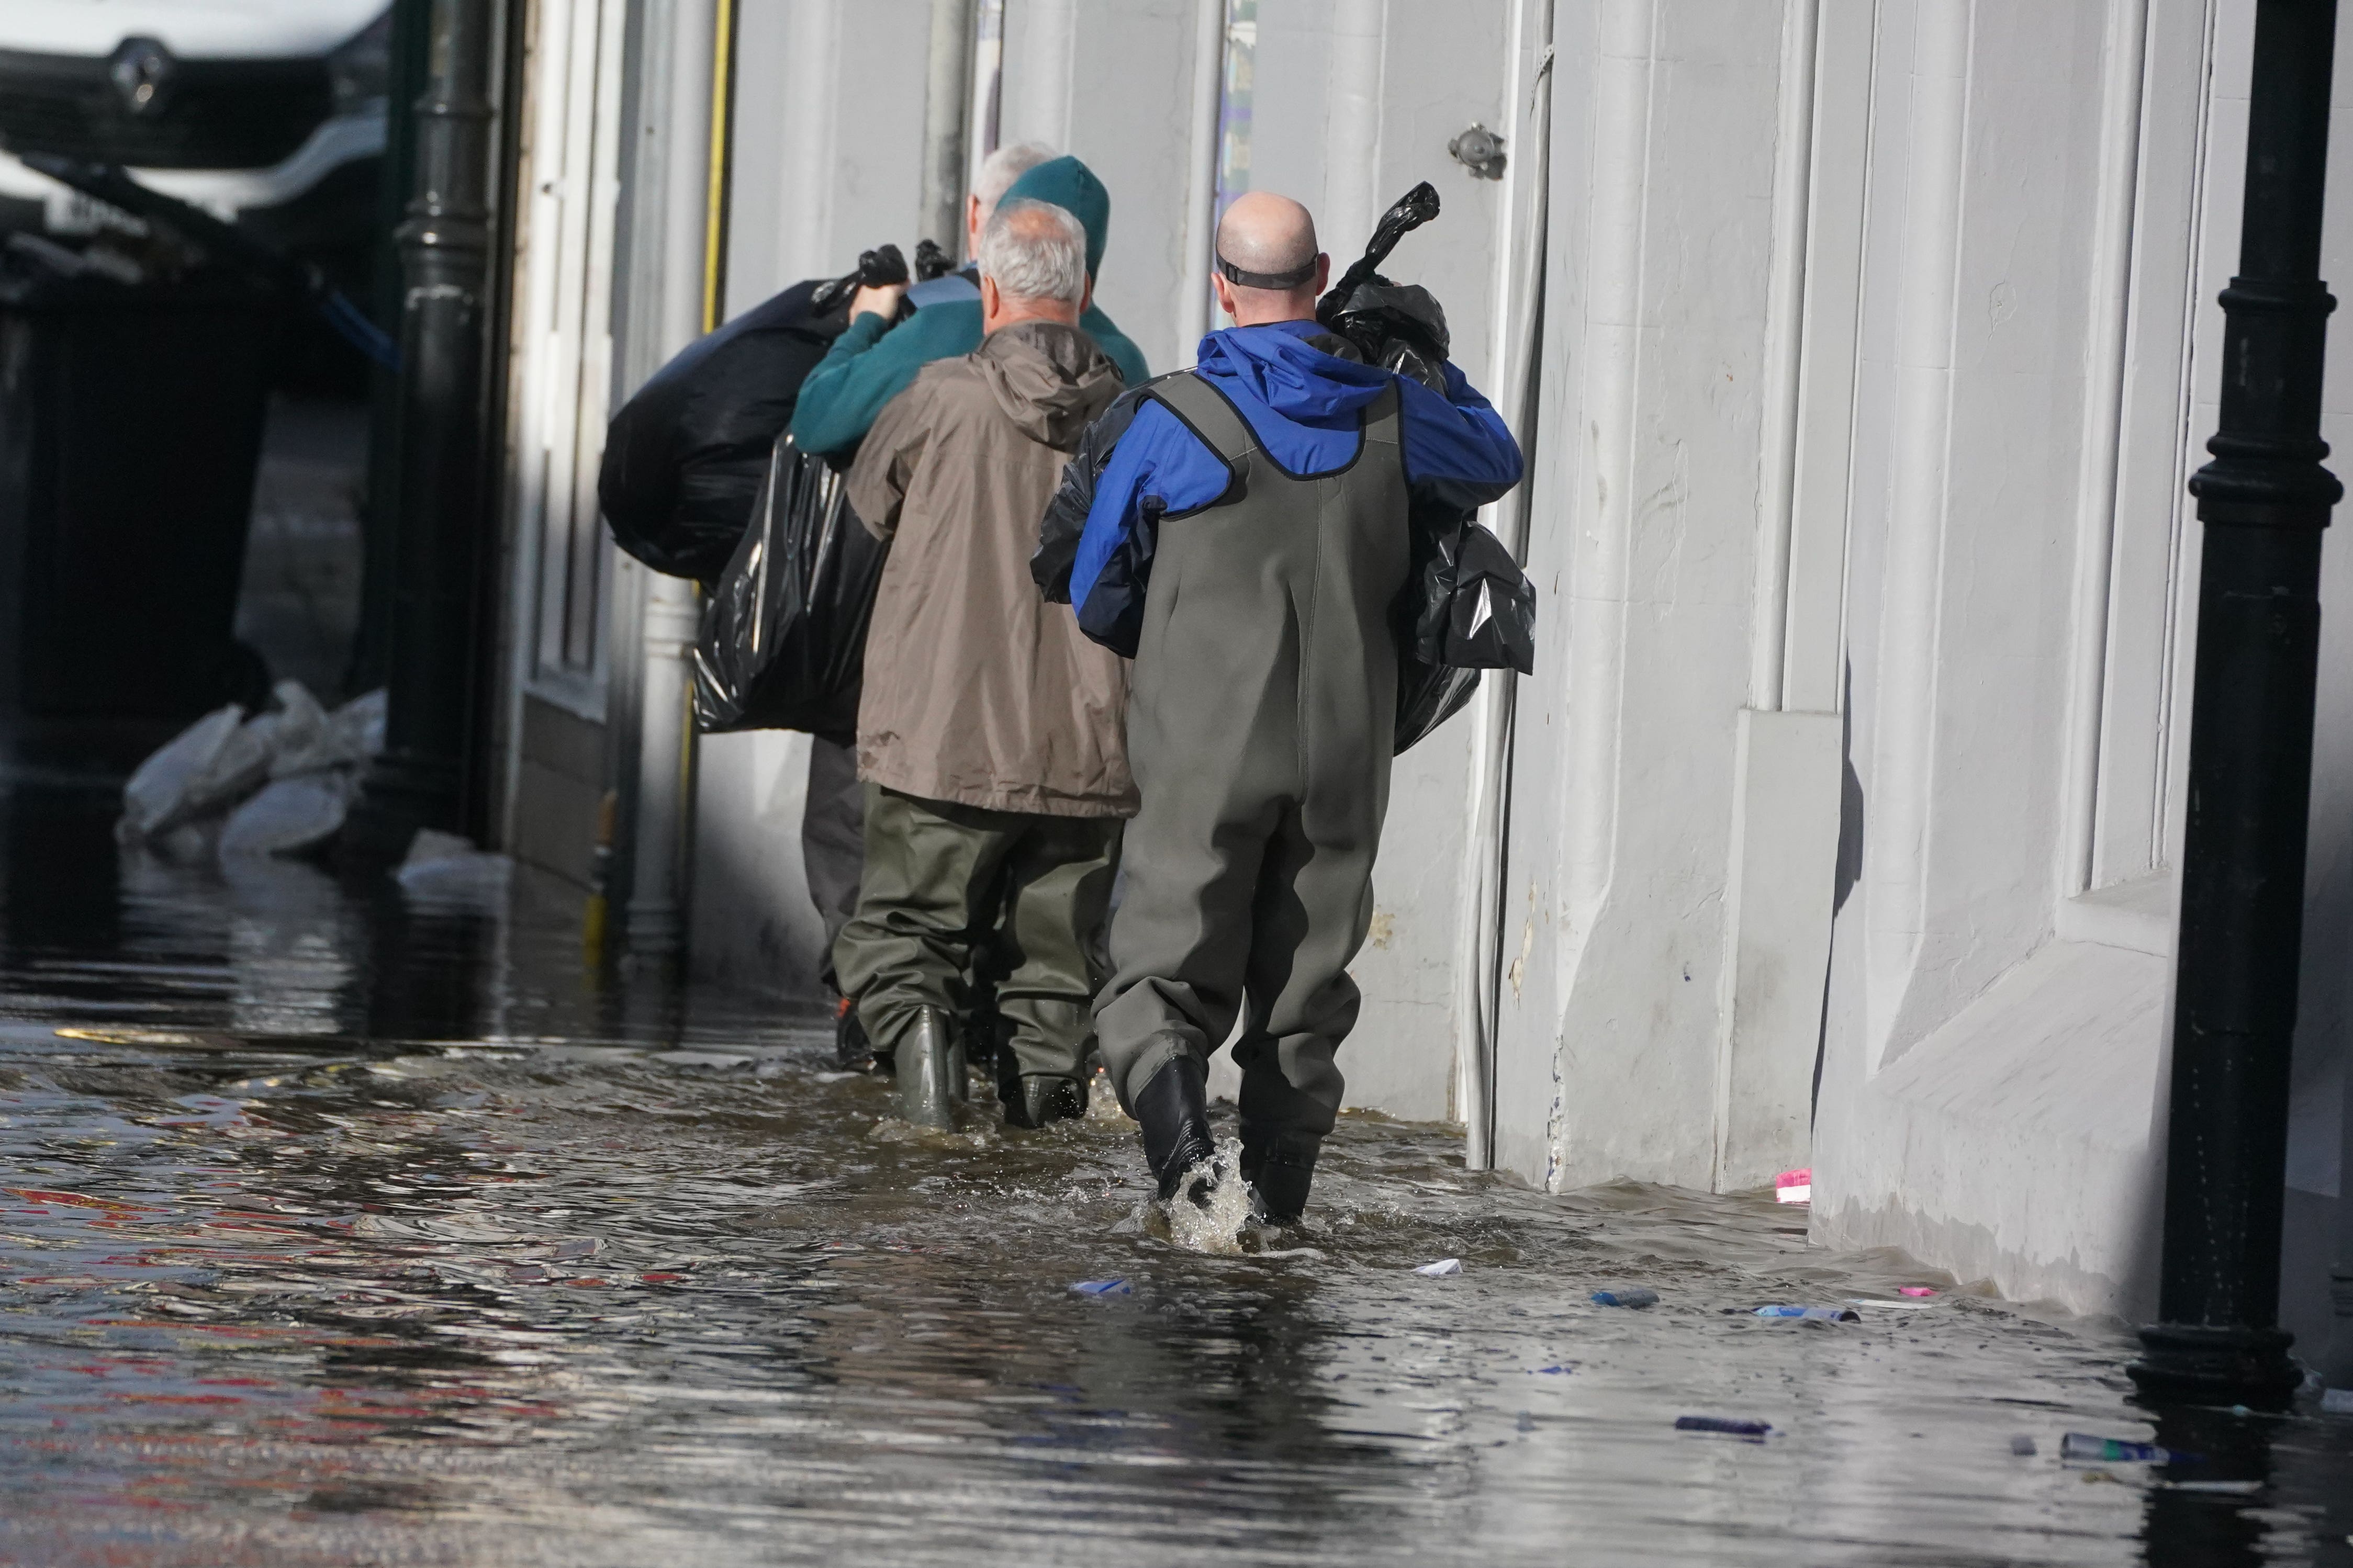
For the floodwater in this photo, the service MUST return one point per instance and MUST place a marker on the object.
(337, 1230)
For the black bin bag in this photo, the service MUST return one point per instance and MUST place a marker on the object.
(1467, 607)
(686, 454)
(783, 641)
(684, 457)
(1478, 610)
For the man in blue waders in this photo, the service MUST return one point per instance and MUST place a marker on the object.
(1244, 545)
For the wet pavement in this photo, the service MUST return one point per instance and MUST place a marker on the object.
(338, 1229)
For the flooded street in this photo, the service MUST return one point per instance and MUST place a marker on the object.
(343, 1231)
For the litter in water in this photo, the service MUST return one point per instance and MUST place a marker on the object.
(1813, 1314)
(2338, 1401)
(1441, 1269)
(1723, 1424)
(2022, 1445)
(1794, 1186)
(1103, 1288)
(1919, 1291)
(1635, 1296)
(2225, 1488)
(2114, 1451)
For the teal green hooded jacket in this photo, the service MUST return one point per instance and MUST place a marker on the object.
(874, 362)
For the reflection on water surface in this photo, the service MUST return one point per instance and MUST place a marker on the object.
(336, 1231)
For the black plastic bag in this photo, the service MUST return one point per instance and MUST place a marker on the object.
(1428, 696)
(1467, 607)
(783, 642)
(1399, 326)
(685, 456)
(1477, 609)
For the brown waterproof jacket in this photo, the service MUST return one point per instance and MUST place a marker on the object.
(977, 691)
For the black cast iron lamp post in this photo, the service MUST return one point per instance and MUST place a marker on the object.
(2265, 500)
(444, 515)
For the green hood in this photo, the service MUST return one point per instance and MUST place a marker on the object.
(1073, 186)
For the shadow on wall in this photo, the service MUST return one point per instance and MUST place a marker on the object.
(753, 924)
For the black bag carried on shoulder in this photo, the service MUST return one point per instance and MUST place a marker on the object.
(1467, 607)
(686, 453)
(1478, 610)
(783, 642)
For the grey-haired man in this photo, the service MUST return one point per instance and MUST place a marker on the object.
(990, 732)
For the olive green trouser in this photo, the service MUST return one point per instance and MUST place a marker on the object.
(940, 879)
(1260, 718)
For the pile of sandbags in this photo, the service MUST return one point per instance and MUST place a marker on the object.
(276, 783)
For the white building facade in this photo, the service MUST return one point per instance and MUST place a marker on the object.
(1861, 348)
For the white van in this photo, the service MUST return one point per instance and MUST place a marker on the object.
(265, 112)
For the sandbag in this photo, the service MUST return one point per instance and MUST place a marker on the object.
(290, 814)
(157, 796)
(783, 641)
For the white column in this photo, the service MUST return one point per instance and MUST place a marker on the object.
(1352, 142)
(1041, 40)
(1192, 304)
(1779, 872)
(2103, 404)
(1895, 859)
(1793, 160)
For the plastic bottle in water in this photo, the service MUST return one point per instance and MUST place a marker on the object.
(2114, 1451)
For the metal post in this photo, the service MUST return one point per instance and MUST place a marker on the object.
(670, 292)
(947, 109)
(2264, 500)
(442, 447)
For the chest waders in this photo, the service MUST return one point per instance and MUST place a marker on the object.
(1260, 718)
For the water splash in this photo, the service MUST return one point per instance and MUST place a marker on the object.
(1102, 1102)
(1216, 1226)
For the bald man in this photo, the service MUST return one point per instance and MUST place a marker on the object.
(1243, 545)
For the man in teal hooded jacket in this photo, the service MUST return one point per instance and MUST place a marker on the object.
(874, 360)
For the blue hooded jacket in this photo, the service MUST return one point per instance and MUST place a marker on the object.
(1306, 407)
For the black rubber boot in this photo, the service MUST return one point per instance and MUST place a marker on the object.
(1033, 1099)
(1174, 1108)
(1280, 1167)
(930, 1070)
(852, 1051)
